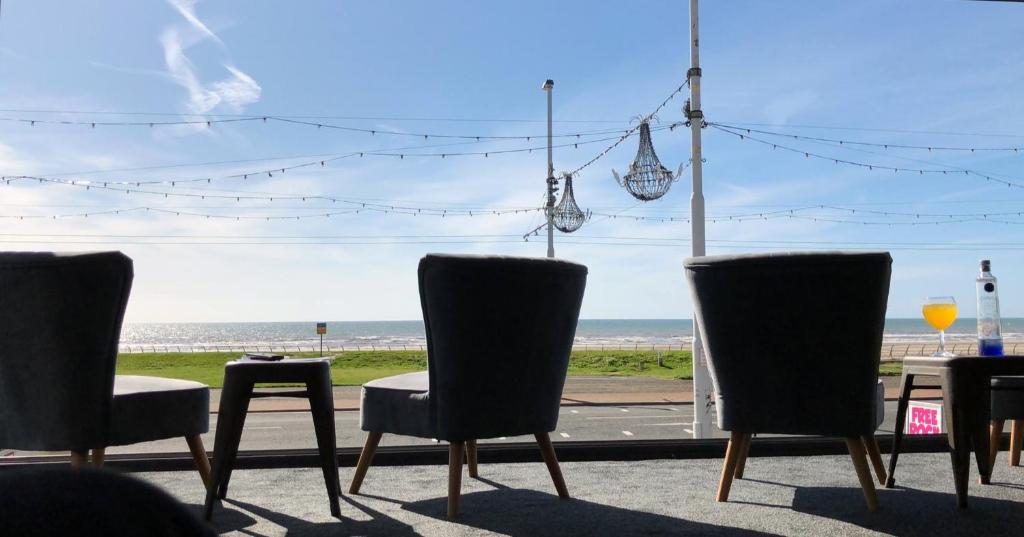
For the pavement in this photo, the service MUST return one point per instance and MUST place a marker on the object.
(593, 408)
(579, 391)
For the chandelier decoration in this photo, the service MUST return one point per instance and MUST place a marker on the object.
(567, 215)
(647, 179)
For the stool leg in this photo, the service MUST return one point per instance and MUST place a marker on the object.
(897, 437)
(321, 402)
(234, 403)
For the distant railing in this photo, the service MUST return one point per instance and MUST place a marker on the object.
(890, 351)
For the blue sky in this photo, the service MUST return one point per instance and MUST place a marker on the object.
(872, 68)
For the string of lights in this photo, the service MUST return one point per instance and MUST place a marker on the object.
(368, 209)
(869, 166)
(386, 240)
(320, 162)
(210, 122)
(249, 197)
(634, 129)
(972, 149)
(302, 116)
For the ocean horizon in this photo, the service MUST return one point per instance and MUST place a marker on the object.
(591, 332)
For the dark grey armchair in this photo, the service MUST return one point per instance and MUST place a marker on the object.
(60, 323)
(499, 333)
(793, 343)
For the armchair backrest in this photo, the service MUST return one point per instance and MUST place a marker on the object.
(793, 339)
(499, 334)
(60, 323)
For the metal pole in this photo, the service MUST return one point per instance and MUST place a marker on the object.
(702, 400)
(548, 87)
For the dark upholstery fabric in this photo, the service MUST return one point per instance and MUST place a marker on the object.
(153, 408)
(499, 333)
(70, 503)
(397, 404)
(793, 339)
(1007, 398)
(60, 321)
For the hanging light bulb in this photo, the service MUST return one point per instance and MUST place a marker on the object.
(567, 215)
(647, 179)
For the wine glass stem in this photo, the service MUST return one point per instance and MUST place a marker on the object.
(942, 341)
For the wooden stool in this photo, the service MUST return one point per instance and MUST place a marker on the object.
(239, 378)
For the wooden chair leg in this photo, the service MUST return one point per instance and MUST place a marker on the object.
(741, 461)
(471, 460)
(1016, 436)
(732, 456)
(79, 459)
(995, 433)
(202, 460)
(875, 455)
(547, 451)
(454, 477)
(97, 456)
(860, 464)
(365, 458)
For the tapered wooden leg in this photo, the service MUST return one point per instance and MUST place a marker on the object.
(875, 455)
(1016, 437)
(471, 461)
(732, 455)
(741, 461)
(454, 478)
(907, 384)
(365, 458)
(321, 405)
(97, 456)
(995, 433)
(547, 451)
(202, 460)
(79, 459)
(860, 464)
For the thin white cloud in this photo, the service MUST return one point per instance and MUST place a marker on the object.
(187, 10)
(234, 92)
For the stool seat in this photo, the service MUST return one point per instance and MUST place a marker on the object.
(154, 408)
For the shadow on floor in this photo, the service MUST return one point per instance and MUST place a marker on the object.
(528, 512)
(904, 511)
(226, 520)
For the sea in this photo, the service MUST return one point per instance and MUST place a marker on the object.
(623, 333)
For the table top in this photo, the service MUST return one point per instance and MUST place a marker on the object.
(996, 365)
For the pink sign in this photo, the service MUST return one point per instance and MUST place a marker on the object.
(924, 418)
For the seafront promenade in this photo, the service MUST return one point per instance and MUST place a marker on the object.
(891, 350)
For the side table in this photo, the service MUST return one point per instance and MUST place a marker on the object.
(239, 378)
(965, 382)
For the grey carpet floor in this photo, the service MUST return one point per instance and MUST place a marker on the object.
(780, 496)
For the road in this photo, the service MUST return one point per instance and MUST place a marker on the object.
(294, 430)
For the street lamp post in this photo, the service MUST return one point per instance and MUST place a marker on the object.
(548, 86)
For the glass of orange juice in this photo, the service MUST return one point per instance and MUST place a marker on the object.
(940, 312)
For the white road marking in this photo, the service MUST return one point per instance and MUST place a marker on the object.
(632, 418)
(627, 433)
(502, 438)
(564, 435)
(251, 428)
(575, 411)
(673, 409)
(689, 431)
(624, 409)
(657, 424)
